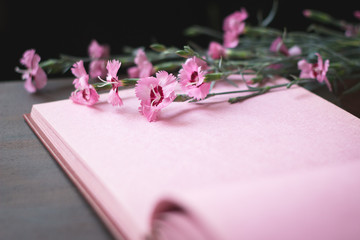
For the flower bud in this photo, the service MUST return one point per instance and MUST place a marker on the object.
(213, 77)
(158, 47)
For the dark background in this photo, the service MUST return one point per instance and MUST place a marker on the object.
(55, 27)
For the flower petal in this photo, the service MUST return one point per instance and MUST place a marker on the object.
(40, 78)
(29, 86)
(114, 98)
(112, 68)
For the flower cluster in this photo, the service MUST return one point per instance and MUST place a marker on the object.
(253, 54)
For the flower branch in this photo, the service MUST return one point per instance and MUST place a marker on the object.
(324, 55)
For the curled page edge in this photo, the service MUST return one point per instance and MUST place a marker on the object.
(321, 203)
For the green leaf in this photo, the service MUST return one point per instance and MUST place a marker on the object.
(183, 53)
(158, 47)
(199, 30)
(189, 50)
(53, 66)
(168, 66)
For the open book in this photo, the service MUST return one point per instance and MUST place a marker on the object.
(283, 165)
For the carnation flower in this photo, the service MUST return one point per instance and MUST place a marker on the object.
(216, 50)
(278, 45)
(98, 53)
(233, 26)
(87, 96)
(315, 70)
(143, 67)
(82, 78)
(155, 93)
(235, 21)
(113, 97)
(357, 14)
(231, 39)
(192, 77)
(85, 93)
(34, 76)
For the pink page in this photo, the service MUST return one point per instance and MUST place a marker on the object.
(314, 204)
(131, 167)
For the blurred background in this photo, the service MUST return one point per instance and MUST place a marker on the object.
(67, 27)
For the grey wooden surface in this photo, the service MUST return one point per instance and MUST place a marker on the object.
(37, 199)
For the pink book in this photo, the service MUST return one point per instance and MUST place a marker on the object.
(283, 165)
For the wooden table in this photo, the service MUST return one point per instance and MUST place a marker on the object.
(37, 199)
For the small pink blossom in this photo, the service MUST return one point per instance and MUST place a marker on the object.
(155, 93)
(34, 76)
(85, 93)
(98, 53)
(235, 21)
(143, 67)
(357, 14)
(87, 96)
(216, 50)
(231, 39)
(315, 70)
(233, 26)
(82, 78)
(192, 77)
(307, 13)
(278, 45)
(113, 96)
(295, 51)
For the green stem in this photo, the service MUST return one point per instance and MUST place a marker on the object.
(197, 30)
(253, 90)
(241, 98)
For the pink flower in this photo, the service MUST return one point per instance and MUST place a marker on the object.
(34, 76)
(143, 67)
(233, 26)
(235, 22)
(216, 50)
(307, 13)
(85, 93)
(82, 78)
(357, 14)
(192, 77)
(155, 93)
(295, 51)
(98, 53)
(315, 70)
(231, 39)
(87, 96)
(278, 45)
(113, 97)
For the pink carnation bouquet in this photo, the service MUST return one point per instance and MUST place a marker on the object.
(325, 56)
